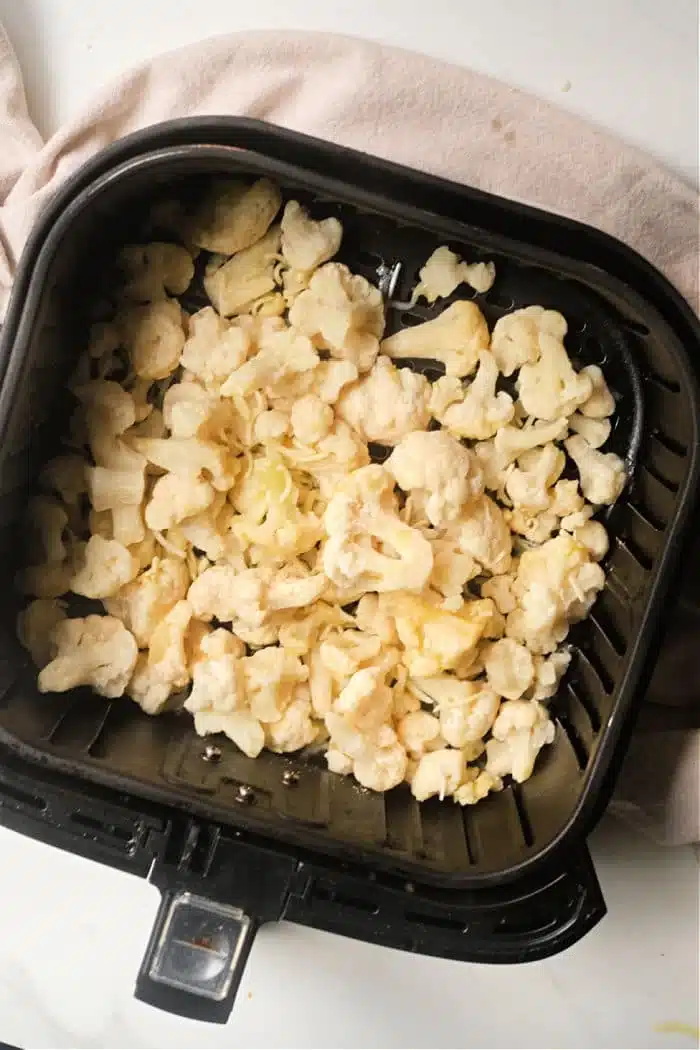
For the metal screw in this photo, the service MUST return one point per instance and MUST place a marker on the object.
(245, 794)
(290, 778)
(409, 887)
(211, 753)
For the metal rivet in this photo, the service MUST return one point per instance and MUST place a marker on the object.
(245, 794)
(211, 753)
(410, 888)
(290, 778)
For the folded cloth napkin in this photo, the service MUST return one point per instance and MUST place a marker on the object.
(419, 112)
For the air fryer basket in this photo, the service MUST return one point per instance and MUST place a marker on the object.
(114, 744)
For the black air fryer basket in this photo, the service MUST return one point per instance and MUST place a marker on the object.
(232, 842)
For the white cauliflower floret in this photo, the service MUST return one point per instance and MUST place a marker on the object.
(435, 639)
(452, 568)
(270, 426)
(509, 668)
(387, 404)
(602, 474)
(456, 337)
(47, 520)
(341, 312)
(217, 675)
(481, 411)
(271, 678)
(439, 470)
(595, 431)
(566, 499)
(419, 732)
(311, 419)
(35, 626)
(438, 773)
(528, 484)
(478, 783)
(361, 515)
(307, 242)
(549, 671)
(272, 526)
(283, 354)
(466, 709)
(500, 590)
(536, 528)
(245, 731)
(251, 595)
(483, 532)
(96, 651)
(510, 443)
(176, 497)
(164, 670)
(214, 347)
(146, 600)
(65, 475)
(105, 566)
(338, 762)
(331, 377)
(295, 729)
(116, 489)
(155, 270)
(366, 699)
(234, 216)
(247, 277)
(381, 768)
(601, 403)
(153, 336)
(519, 733)
(445, 271)
(191, 458)
(550, 388)
(517, 338)
(593, 536)
(109, 409)
(191, 411)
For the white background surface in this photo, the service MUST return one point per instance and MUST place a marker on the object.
(72, 933)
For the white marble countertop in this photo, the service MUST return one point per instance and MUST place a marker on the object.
(72, 933)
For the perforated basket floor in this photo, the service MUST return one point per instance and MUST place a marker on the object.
(386, 239)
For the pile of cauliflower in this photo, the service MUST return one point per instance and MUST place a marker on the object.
(258, 570)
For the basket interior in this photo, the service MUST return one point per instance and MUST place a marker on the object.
(162, 758)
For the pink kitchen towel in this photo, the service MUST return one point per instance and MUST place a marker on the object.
(420, 112)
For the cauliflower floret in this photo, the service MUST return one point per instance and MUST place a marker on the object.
(528, 485)
(270, 426)
(154, 270)
(295, 729)
(217, 675)
(481, 411)
(510, 443)
(440, 470)
(466, 709)
(519, 733)
(271, 677)
(270, 517)
(165, 669)
(283, 354)
(483, 532)
(419, 732)
(191, 458)
(550, 388)
(214, 347)
(47, 521)
(517, 338)
(146, 600)
(301, 632)
(549, 671)
(601, 403)
(35, 626)
(452, 568)
(153, 336)
(363, 511)
(381, 768)
(533, 527)
(438, 773)
(500, 590)
(65, 475)
(307, 242)
(234, 216)
(602, 474)
(509, 668)
(252, 595)
(595, 431)
(445, 391)
(344, 652)
(341, 312)
(239, 726)
(478, 783)
(96, 651)
(176, 497)
(45, 581)
(434, 639)
(331, 377)
(366, 700)
(373, 616)
(109, 409)
(246, 278)
(456, 337)
(104, 567)
(114, 489)
(445, 271)
(191, 411)
(338, 762)
(593, 536)
(387, 404)
(566, 499)
(311, 419)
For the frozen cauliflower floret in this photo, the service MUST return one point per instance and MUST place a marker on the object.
(381, 768)
(165, 669)
(146, 600)
(251, 595)
(66, 476)
(482, 531)
(593, 536)
(478, 783)
(445, 391)
(534, 527)
(247, 276)
(47, 521)
(331, 377)
(302, 630)
(519, 733)
(338, 762)
(45, 581)
(341, 312)
(438, 773)
(154, 271)
(96, 651)
(344, 652)
(517, 338)
(481, 411)
(191, 411)
(434, 639)
(308, 243)
(295, 729)
(509, 668)
(456, 337)
(234, 216)
(549, 671)
(239, 726)
(214, 347)
(452, 568)
(283, 354)
(153, 336)
(550, 388)
(419, 731)
(113, 489)
(373, 616)
(271, 677)
(602, 474)
(387, 404)
(217, 674)
(270, 426)
(566, 499)
(109, 409)
(466, 709)
(176, 497)
(500, 590)
(366, 700)
(528, 484)
(311, 419)
(440, 470)
(35, 626)
(191, 458)
(510, 443)
(104, 567)
(445, 271)
(272, 525)
(595, 431)
(601, 403)
(360, 516)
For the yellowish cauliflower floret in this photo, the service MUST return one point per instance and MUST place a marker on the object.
(103, 568)
(480, 411)
(146, 600)
(246, 278)
(445, 271)
(96, 651)
(602, 474)
(601, 403)
(307, 242)
(214, 347)
(440, 470)
(482, 532)
(434, 639)
(466, 709)
(283, 354)
(439, 773)
(176, 497)
(519, 733)
(164, 670)
(35, 626)
(235, 216)
(156, 270)
(387, 404)
(153, 336)
(517, 338)
(509, 668)
(456, 338)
